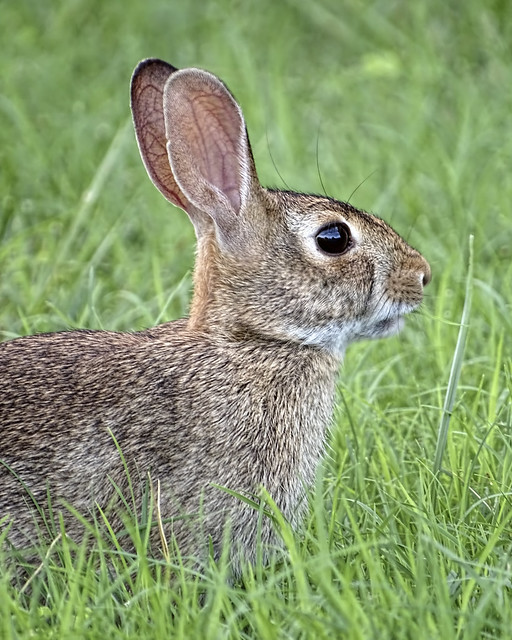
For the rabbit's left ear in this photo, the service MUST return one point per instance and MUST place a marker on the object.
(147, 90)
(208, 147)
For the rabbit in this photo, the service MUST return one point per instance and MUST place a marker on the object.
(238, 395)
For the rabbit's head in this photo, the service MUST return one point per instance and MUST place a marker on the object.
(270, 264)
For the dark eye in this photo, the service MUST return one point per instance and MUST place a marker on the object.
(334, 239)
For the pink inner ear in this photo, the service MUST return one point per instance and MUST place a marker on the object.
(206, 133)
(214, 138)
(157, 161)
(147, 90)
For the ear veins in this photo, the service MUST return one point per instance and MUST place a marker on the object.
(218, 138)
(203, 127)
(147, 108)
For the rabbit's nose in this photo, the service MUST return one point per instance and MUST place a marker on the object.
(417, 265)
(427, 273)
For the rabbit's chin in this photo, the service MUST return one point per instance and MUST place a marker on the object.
(335, 337)
(388, 327)
(384, 328)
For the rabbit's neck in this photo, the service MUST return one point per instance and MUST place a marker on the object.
(205, 280)
(215, 309)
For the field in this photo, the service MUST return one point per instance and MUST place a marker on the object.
(403, 108)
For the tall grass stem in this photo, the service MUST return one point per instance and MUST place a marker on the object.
(458, 358)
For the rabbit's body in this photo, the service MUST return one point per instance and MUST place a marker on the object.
(240, 394)
(183, 407)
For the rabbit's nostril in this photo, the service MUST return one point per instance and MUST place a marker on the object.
(427, 275)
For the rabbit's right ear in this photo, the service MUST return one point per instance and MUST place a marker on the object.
(209, 150)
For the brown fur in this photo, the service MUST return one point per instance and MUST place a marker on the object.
(240, 394)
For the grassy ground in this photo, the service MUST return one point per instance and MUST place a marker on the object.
(403, 107)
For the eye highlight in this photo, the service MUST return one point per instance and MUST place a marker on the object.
(334, 239)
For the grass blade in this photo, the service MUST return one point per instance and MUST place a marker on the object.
(458, 357)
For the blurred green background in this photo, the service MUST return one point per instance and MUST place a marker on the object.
(405, 108)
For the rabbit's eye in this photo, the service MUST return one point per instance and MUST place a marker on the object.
(334, 239)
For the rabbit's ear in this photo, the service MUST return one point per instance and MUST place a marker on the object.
(147, 90)
(208, 147)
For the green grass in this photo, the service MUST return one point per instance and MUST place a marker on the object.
(404, 105)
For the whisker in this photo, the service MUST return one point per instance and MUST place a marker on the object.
(361, 183)
(273, 161)
(318, 163)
